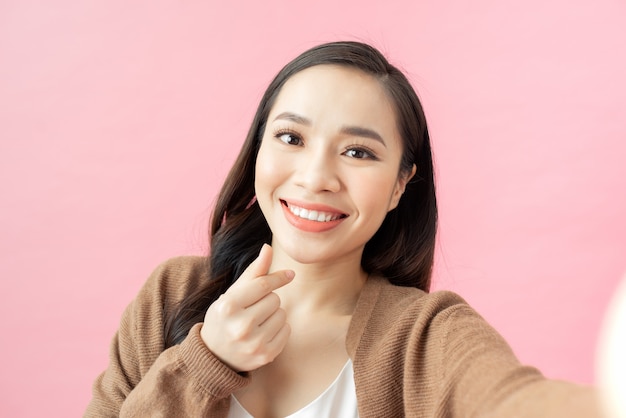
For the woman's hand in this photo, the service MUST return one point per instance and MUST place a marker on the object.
(246, 326)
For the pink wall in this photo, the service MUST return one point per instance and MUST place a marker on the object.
(119, 120)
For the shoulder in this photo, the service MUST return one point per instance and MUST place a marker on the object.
(175, 278)
(182, 267)
(181, 270)
(400, 321)
(386, 312)
(396, 302)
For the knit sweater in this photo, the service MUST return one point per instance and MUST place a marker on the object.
(414, 354)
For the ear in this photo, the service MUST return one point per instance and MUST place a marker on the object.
(398, 191)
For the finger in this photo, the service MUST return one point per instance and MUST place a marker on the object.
(272, 348)
(247, 294)
(261, 310)
(273, 324)
(255, 282)
(276, 344)
(261, 265)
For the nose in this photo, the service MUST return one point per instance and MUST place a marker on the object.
(317, 172)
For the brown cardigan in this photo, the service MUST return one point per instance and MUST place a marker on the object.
(414, 354)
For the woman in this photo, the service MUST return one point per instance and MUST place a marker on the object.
(314, 299)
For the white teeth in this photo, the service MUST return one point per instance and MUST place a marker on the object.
(312, 215)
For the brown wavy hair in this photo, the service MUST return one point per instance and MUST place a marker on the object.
(401, 250)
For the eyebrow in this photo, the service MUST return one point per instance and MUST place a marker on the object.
(301, 120)
(349, 130)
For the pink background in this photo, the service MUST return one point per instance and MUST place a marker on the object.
(119, 121)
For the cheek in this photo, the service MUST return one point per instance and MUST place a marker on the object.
(268, 171)
(375, 194)
(260, 172)
(263, 175)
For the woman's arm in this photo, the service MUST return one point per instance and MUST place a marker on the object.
(142, 378)
(482, 377)
(432, 355)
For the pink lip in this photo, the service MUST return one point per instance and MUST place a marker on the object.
(313, 206)
(306, 224)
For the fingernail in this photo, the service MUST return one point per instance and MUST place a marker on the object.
(290, 274)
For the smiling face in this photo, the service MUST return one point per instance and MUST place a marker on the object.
(327, 171)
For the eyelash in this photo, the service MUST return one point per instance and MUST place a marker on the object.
(370, 155)
(283, 132)
(360, 148)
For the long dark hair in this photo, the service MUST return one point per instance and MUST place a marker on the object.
(402, 249)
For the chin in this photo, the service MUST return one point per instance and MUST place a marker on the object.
(320, 252)
(305, 256)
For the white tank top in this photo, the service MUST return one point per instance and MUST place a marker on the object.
(338, 400)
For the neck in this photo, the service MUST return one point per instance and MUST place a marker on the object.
(320, 288)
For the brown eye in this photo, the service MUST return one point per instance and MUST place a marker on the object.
(289, 138)
(358, 153)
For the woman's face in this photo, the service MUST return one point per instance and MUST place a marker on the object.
(327, 171)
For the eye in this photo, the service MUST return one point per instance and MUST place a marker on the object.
(289, 138)
(360, 154)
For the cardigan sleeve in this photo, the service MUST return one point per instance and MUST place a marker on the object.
(482, 377)
(432, 355)
(145, 379)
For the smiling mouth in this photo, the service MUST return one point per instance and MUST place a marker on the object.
(312, 215)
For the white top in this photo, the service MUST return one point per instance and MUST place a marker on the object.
(338, 400)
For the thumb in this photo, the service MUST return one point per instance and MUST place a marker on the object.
(261, 265)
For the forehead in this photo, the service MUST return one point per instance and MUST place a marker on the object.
(337, 94)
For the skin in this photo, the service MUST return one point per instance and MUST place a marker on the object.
(330, 145)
